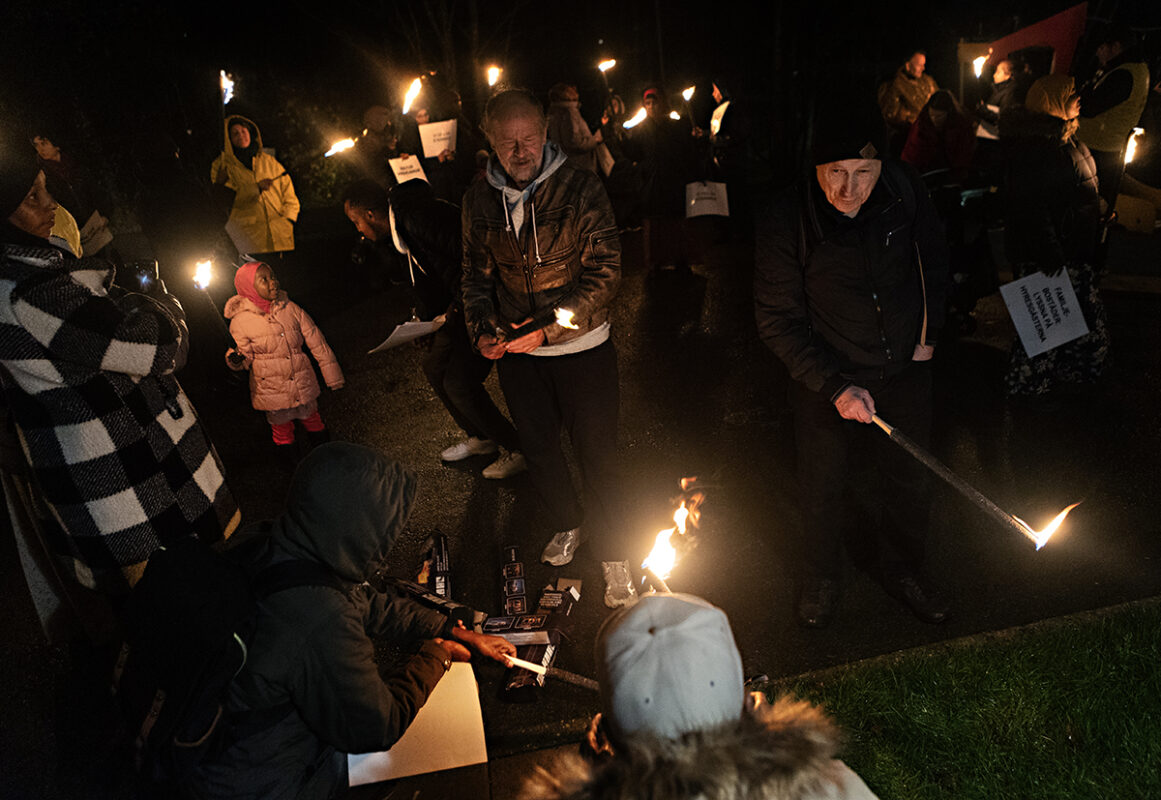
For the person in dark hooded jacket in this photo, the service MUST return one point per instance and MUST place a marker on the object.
(310, 673)
(425, 231)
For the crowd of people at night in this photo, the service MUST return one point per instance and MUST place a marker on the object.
(511, 242)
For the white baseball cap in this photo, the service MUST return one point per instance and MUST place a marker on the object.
(668, 665)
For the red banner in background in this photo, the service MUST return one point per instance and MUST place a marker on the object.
(1061, 32)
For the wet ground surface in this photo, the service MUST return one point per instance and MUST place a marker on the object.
(700, 396)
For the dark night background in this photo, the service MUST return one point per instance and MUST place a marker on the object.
(113, 78)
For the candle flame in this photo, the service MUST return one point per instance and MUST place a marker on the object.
(1131, 147)
(227, 85)
(339, 146)
(687, 94)
(1041, 537)
(605, 66)
(978, 65)
(412, 93)
(564, 319)
(203, 274)
(635, 119)
(494, 75)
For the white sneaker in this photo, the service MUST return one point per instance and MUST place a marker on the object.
(559, 551)
(508, 464)
(468, 448)
(619, 590)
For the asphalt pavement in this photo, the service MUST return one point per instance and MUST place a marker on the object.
(700, 396)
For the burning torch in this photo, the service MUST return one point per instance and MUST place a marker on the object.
(1010, 521)
(673, 543)
(203, 276)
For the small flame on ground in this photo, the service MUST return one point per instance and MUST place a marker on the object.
(663, 557)
(412, 93)
(636, 119)
(564, 319)
(1041, 537)
(203, 274)
(339, 146)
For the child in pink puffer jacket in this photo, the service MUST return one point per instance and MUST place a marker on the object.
(269, 331)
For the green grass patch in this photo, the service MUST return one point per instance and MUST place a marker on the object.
(1069, 708)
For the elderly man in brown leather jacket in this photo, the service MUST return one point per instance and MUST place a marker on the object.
(542, 261)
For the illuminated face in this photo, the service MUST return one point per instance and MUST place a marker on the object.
(36, 212)
(265, 284)
(422, 117)
(371, 224)
(1003, 72)
(915, 65)
(46, 149)
(519, 144)
(240, 136)
(847, 184)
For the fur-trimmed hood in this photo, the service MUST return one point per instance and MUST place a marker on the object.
(784, 751)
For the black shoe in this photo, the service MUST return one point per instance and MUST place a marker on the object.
(925, 603)
(817, 601)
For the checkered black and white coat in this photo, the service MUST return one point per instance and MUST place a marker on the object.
(115, 446)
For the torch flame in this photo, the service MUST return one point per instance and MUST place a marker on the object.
(663, 557)
(493, 75)
(564, 319)
(605, 66)
(1041, 537)
(203, 273)
(687, 94)
(978, 65)
(635, 119)
(412, 93)
(339, 146)
(227, 84)
(1131, 147)
(674, 115)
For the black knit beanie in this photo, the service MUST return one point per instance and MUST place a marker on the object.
(18, 169)
(843, 130)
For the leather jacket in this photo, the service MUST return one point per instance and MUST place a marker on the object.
(567, 254)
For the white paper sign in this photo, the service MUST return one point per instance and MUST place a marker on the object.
(706, 197)
(409, 331)
(1044, 311)
(448, 732)
(437, 137)
(407, 168)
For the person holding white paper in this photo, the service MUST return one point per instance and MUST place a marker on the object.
(1052, 220)
(311, 691)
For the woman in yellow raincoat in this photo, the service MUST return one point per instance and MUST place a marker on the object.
(265, 205)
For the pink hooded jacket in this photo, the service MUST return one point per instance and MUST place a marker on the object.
(281, 375)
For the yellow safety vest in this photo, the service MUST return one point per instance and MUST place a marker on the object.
(1109, 130)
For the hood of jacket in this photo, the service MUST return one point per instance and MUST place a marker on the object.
(1019, 122)
(346, 506)
(785, 750)
(237, 304)
(513, 199)
(255, 134)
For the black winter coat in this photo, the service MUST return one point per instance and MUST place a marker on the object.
(841, 300)
(1052, 209)
(430, 228)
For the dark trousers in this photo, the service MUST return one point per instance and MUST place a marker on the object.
(457, 372)
(837, 456)
(580, 393)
